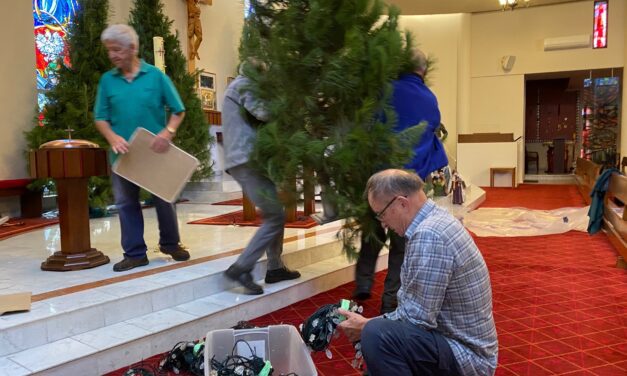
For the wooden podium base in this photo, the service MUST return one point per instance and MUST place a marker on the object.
(63, 262)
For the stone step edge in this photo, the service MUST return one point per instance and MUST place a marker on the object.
(253, 307)
(213, 279)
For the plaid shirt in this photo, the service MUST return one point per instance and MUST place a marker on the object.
(445, 286)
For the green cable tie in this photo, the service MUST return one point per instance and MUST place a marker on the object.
(345, 305)
(197, 348)
(265, 371)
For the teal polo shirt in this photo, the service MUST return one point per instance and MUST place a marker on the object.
(139, 103)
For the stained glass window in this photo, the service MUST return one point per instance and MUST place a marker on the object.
(52, 19)
(247, 8)
(600, 25)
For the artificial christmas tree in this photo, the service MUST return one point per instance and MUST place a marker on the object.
(148, 19)
(324, 70)
(71, 101)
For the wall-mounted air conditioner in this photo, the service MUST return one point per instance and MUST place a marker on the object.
(566, 43)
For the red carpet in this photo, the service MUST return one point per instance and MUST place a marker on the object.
(233, 202)
(534, 196)
(560, 305)
(16, 226)
(237, 218)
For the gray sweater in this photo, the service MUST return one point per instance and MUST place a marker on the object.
(238, 135)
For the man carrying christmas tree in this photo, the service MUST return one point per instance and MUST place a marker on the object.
(414, 103)
(131, 95)
(241, 114)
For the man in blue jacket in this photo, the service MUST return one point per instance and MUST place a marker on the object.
(414, 103)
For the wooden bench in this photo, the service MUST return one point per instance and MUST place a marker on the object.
(30, 201)
(615, 215)
(586, 175)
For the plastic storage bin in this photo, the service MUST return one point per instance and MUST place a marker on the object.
(281, 344)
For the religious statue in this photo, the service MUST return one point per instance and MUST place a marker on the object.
(194, 28)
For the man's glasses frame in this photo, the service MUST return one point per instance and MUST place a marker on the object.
(379, 215)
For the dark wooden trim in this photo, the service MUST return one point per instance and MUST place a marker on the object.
(485, 137)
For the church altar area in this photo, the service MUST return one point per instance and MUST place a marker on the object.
(96, 320)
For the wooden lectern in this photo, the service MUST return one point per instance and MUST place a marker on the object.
(71, 163)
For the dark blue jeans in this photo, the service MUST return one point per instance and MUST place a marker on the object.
(400, 348)
(132, 221)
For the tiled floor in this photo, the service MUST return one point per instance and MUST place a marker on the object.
(22, 255)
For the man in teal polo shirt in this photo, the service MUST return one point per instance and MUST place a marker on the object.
(131, 95)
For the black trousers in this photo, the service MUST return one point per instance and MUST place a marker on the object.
(393, 347)
(366, 263)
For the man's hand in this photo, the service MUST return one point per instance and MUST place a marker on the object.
(353, 325)
(161, 143)
(118, 144)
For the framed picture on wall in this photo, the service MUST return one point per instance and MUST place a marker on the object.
(208, 99)
(207, 81)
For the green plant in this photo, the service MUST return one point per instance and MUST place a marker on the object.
(324, 70)
(148, 19)
(71, 101)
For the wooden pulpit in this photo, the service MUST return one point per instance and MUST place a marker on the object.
(70, 163)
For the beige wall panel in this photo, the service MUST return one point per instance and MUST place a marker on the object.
(521, 33)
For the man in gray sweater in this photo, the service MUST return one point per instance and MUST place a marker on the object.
(239, 110)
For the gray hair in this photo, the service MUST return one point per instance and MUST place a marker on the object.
(419, 61)
(392, 182)
(120, 33)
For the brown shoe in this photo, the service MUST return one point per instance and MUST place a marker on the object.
(180, 253)
(130, 263)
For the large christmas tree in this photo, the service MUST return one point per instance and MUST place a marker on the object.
(327, 68)
(148, 19)
(71, 101)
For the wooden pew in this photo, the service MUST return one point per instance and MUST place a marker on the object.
(615, 215)
(586, 174)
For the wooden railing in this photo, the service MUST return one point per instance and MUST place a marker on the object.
(586, 175)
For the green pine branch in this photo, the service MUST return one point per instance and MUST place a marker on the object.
(149, 20)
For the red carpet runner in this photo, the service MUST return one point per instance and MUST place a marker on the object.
(560, 305)
(237, 218)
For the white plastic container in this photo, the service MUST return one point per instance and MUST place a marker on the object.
(281, 344)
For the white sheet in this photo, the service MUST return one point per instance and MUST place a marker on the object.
(507, 222)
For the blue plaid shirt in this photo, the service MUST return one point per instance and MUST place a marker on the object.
(445, 286)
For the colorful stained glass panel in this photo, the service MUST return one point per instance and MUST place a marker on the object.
(600, 25)
(52, 19)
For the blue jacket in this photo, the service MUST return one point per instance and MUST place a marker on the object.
(596, 205)
(414, 102)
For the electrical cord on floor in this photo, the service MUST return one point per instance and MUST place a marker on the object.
(238, 365)
(320, 328)
(184, 356)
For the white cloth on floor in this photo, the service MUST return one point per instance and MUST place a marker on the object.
(507, 222)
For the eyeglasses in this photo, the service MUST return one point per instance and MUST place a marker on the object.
(379, 215)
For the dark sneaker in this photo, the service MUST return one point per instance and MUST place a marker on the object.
(281, 274)
(245, 279)
(130, 263)
(180, 253)
(361, 294)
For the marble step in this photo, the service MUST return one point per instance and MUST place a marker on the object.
(102, 350)
(69, 315)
